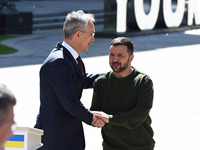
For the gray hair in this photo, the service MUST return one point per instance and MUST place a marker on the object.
(76, 20)
(6, 99)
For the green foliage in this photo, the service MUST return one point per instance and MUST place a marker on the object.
(6, 49)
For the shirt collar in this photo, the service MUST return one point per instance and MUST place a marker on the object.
(70, 49)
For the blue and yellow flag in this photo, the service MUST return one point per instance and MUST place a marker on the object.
(16, 141)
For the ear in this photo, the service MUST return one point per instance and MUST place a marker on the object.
(131, 58)
(77, 34)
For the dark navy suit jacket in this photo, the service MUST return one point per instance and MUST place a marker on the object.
(61, 111)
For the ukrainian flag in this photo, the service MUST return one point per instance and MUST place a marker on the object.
(16, 141)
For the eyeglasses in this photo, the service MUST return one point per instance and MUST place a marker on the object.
(93, 34)
(13, 127)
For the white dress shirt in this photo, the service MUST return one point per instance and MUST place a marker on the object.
(71, 50)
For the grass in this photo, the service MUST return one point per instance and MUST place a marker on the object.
(6, 49)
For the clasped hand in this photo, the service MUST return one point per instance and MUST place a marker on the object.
(100, 118)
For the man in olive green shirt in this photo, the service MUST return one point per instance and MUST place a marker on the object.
(126, 94)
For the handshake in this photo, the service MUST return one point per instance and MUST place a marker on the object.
(100, 118)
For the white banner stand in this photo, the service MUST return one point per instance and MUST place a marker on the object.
(25, 139)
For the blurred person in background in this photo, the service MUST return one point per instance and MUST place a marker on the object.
(7, 103)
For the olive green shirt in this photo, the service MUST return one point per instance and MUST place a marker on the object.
(129, 100)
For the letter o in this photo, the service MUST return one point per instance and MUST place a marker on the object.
(173, 19)
(143, 20)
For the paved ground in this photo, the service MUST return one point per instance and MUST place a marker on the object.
(171, 59)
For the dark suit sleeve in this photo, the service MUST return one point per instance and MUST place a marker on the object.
(67, 87)
(90, 79)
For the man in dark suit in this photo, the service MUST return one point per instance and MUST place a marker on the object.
(62, 79)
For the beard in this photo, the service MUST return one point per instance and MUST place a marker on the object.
(121, 68)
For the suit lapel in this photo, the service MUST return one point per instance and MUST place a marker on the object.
(71, 58)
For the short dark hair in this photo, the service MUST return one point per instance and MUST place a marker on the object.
(124, 41)
(6, 99)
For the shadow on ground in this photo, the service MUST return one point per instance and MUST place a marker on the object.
(42, 46)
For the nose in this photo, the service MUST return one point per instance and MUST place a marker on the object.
(93, 39)
(115, 59)
(10, 133)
